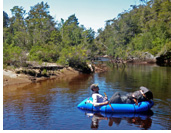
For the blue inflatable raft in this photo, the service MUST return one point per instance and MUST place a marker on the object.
(117, 108)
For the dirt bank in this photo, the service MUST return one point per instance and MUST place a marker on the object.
(11, 78)
(18, 78)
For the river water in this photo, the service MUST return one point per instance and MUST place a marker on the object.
(52, 104)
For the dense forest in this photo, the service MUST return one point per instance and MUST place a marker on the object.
(143, 28)
(36, 36)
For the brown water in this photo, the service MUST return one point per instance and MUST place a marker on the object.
(52, 104)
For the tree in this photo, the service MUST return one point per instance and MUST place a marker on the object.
(88, 36)
(144, 28)
(12, 55)
(55, 37)
(71, 32)
(40, 24)
(17, 26)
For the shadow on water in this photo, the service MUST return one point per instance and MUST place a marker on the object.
(141, 120)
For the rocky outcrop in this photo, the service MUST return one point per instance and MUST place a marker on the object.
(144, 57)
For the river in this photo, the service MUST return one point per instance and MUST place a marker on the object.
(52, 104)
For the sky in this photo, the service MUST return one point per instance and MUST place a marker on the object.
(90, 13)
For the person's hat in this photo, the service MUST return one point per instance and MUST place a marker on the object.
(93, 86)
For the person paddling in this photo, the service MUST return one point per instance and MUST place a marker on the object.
(143, 94)
(98, 99)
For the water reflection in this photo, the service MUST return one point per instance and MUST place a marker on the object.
(141, 120)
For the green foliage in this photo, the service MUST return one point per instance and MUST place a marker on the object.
(44, 72)
(40, 24)
(166, 48)
(76, 57)
(55, 37)
(144, 28)
(71, 32)
(45, 53)
(43, 39)
(17, 27)
(12, 55)
(71, 54)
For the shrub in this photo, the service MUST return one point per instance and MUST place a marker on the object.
(12, 55)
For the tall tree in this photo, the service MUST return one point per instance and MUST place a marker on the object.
(17, 26)
(71, 32)
(40, 24)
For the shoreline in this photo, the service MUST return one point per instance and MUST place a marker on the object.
(10, 78)
(16, 77)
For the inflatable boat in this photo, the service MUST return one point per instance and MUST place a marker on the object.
(115, 107)
(143, 115)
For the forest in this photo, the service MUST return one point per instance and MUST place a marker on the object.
(36, 36)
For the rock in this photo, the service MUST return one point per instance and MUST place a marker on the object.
(91, 67)
(148, 56)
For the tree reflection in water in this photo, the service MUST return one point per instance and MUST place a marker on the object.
(141, 120)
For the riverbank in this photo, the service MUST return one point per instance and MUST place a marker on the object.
(18, 78)
(12, 78)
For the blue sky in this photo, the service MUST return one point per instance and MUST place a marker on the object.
(90, 13)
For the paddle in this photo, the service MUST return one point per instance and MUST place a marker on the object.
(109, 103)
